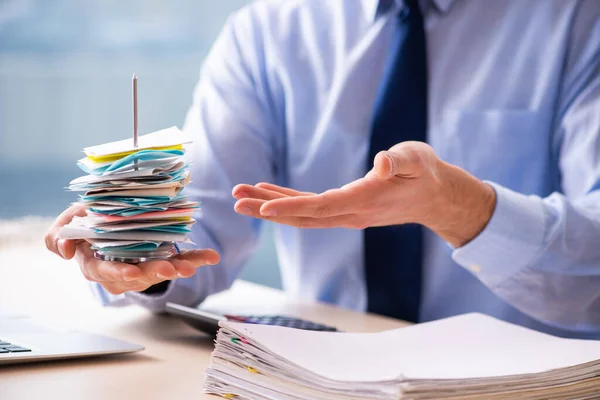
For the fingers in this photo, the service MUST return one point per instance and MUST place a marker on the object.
(184, 268)
(249, 191)
(66, 216)
(110, 271)
(117, 288)
(251, 198)
(66, 249)
(283, 190)
(151, 271)
(182, 265)
(265, 191)
(104, 271)
(252, 207)
(328, 204)
(198, 258)
(157, 271)
(249, 207)
(118, 278)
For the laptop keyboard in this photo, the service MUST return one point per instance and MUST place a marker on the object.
(6, 347)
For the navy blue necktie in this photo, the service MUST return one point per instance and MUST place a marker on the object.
(393, 254)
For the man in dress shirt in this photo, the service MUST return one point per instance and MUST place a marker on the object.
(506, 189)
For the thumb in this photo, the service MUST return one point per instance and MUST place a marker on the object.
(399, 161)
(67, 248)
(64, 248)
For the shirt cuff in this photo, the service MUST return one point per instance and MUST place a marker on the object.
(512, 239)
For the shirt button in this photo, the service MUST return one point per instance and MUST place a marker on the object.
(475, 268)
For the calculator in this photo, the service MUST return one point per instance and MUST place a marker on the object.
(208, 322)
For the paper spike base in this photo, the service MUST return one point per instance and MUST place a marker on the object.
(163, 252)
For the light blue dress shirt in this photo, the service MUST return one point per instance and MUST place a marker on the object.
(286, 96)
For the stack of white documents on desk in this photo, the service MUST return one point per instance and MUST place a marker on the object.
(472, 356)
(133, 196)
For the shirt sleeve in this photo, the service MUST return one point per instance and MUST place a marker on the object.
(232, 121)
(542, 255)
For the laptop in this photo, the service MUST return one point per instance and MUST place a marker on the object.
(23, 339)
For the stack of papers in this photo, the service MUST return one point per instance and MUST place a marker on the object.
(472, 356)
(133, 196)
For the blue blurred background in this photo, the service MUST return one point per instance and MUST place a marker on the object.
(65, 83)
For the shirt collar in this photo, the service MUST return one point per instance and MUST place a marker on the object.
(372, 8)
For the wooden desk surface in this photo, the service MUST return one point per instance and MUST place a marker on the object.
(35, 282)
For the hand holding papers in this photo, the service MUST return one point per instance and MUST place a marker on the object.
(471, 356)
(133, 197)
(131, 209)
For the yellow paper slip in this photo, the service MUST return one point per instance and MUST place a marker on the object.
(117, 156)
(160, 139)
